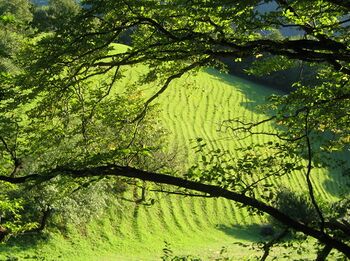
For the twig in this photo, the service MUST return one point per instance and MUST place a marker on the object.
(267, 246)
(141, 116)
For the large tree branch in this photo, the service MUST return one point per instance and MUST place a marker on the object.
(20, 180)
(320, 49)
(342, 3)
(340, 226)
(214, 191)
(211, 190)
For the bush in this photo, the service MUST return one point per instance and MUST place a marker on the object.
(296, 206)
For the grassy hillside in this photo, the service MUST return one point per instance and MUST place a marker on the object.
(196, 106)
(192, 107)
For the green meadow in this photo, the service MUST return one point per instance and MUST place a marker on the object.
(193, 106)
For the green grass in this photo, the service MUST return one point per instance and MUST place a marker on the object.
(193, 106)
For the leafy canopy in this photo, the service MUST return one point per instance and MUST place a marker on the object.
(62, 117)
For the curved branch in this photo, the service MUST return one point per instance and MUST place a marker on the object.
(20, 180)
(342, 3)
(211, 190)
(308, 173)
(166, 85)
(214, 191)
(267, 246)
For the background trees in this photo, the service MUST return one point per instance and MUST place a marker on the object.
(76, 130)
(54, 15)
(15, 17)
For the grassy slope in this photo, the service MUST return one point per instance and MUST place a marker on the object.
(213, 97)
(193, 106)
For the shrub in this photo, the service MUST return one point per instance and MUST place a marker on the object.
(296, 206)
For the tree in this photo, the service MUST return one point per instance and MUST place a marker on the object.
(54, 15)
(15, 17)
(175, 37)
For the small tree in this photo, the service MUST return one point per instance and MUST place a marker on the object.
(295, 205)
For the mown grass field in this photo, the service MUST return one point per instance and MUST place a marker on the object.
(193, 106)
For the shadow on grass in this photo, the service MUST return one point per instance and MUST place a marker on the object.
(253, 233)
(256, 94)
(338, 178)
(16, 248)
(243, 232)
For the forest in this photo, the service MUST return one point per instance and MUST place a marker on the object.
(174, 130)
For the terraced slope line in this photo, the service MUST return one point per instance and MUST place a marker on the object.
(196, 106)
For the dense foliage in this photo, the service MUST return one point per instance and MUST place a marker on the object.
(62, 119)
